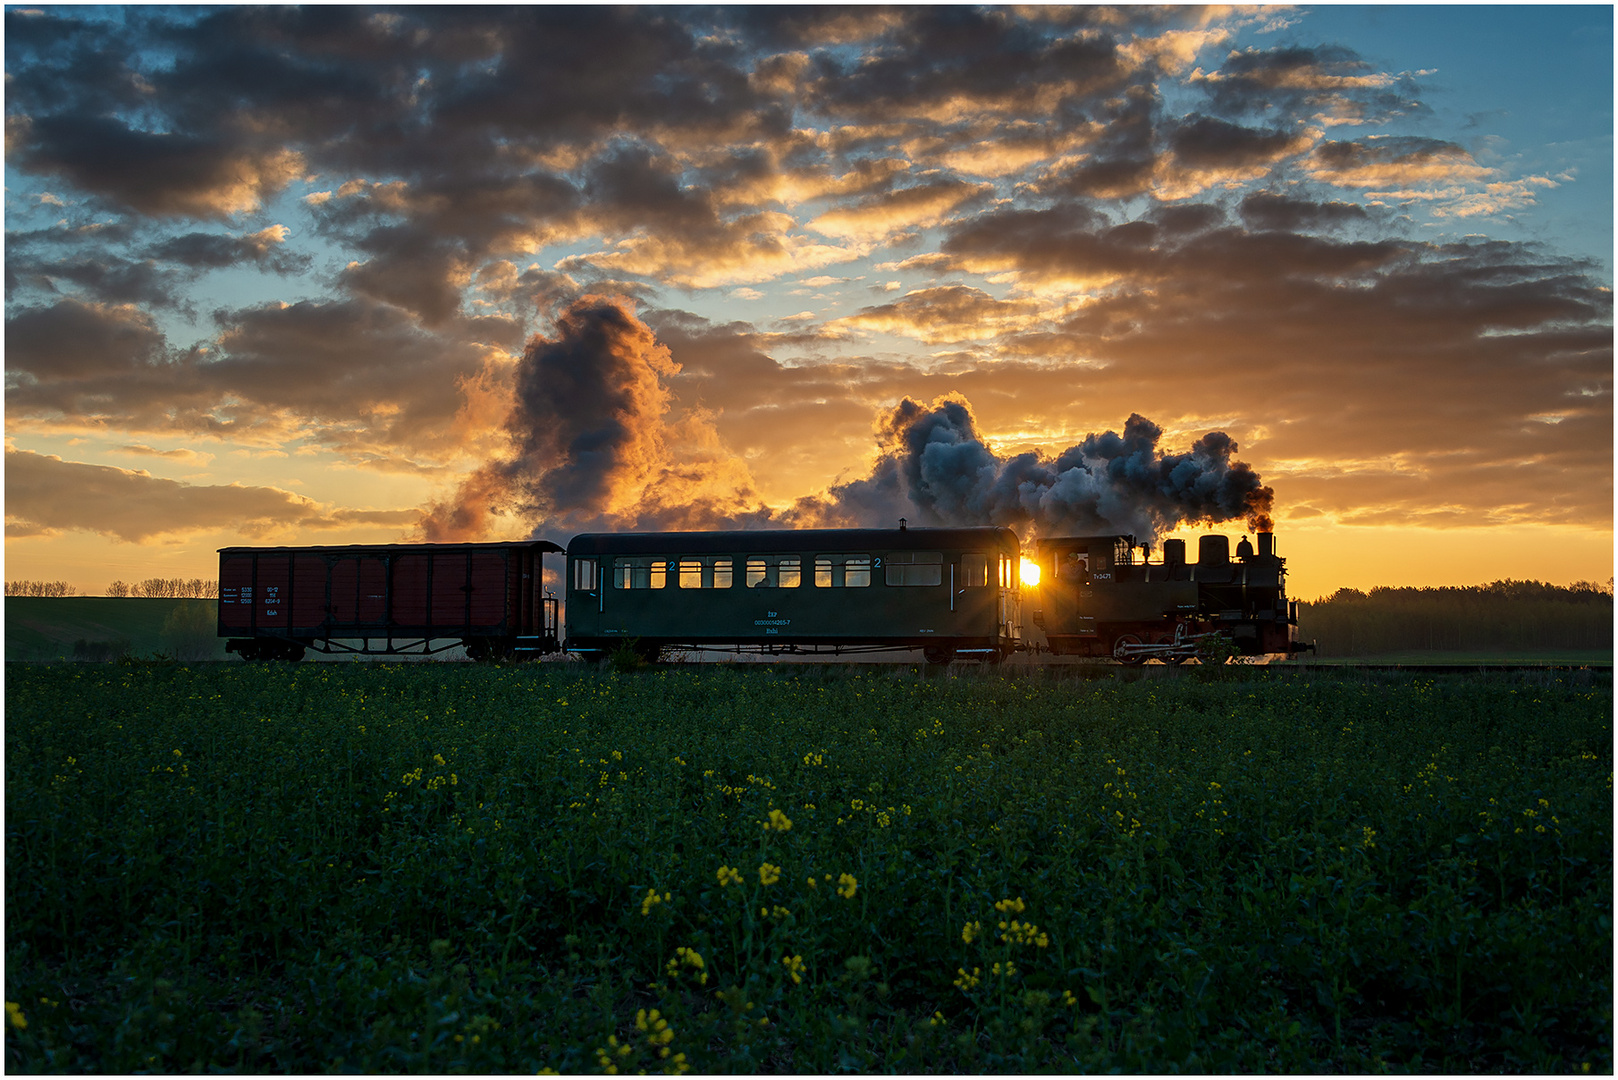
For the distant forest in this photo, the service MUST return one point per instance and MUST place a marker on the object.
(1507, 616)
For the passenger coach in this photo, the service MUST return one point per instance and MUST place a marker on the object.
(949, 592)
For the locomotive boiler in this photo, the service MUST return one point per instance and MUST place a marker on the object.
(1096, 597)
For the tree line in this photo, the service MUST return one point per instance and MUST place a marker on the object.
(184, 588)
(1504, 616)
(196, 588)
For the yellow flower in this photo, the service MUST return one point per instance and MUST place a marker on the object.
(14, 1014)
(1010, 905)
(846, 886)
(729, 875)
(769, 874)
(651, 901)
(971, 930)
(778, 821)
(965, 981)
(794, 966)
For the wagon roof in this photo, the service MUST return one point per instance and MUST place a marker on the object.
(803, 540)
(395, 549)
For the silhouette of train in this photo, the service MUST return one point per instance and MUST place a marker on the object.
(950, 593)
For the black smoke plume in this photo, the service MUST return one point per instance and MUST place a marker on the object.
(936, 470)
(593, 447)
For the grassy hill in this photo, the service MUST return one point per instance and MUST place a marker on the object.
(52, 628)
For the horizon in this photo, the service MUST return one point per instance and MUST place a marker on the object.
(342, 275)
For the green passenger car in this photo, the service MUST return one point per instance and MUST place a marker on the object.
(949, 592)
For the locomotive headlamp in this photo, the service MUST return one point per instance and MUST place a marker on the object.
(1030, 573)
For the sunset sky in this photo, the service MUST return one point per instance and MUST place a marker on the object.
(342, 275)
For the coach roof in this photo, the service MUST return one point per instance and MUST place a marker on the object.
(990, 537)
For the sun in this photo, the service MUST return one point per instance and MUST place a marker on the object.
(1030, 573)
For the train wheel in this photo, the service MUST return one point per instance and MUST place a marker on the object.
(1168, 639)
(938, 654)
(1119, 654)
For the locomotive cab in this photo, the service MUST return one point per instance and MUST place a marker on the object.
(1103, 596)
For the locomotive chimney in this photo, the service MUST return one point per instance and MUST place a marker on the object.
(1266, 545)
(1174, 553)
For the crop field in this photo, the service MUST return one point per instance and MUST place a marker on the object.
(450, 867)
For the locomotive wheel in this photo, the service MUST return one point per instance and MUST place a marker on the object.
(1118, 650)
(1168, 639)
(938, 654)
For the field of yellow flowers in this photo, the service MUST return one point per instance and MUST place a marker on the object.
(453, 867)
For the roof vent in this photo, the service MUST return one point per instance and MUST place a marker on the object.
(901, 524)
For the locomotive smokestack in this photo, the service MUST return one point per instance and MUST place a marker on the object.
(1266, 545)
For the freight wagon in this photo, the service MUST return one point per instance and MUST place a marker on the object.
(387, 599)
(948, 592)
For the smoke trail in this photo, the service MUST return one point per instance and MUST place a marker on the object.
(592, 442)
(935, 470)
(594, 447)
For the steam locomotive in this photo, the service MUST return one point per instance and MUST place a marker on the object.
(950, 593)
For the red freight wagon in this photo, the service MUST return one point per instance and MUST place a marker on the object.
(381, 599)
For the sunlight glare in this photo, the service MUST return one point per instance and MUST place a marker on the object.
(1030, 573)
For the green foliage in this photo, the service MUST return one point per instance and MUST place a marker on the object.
(40, 628)
(448, 868)
(191, 631)
(1514, 616)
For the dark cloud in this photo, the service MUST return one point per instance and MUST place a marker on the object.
(163, 174)
(1206, 142)
(360, 377)
(1393, 161)
(1305, 83)
(265, 250)
(1272, 212)
(45, 494)
(105, 278)
(1079, 244)
(74, 342)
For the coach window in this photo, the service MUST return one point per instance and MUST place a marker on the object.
(974, 569)
(774, 571)
(915, 568)
(842, 571)
(584, 575)
(722, 573)
(641, 573)
(690, 573)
